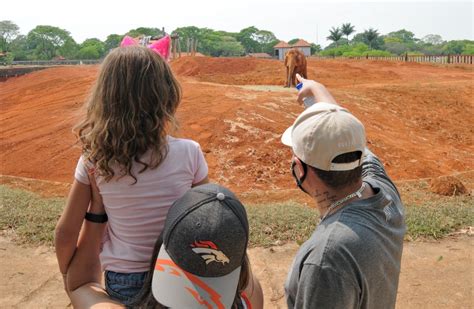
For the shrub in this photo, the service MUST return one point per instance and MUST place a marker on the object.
(379, 53)
(468, 49)
(6, 58)
(357, 50)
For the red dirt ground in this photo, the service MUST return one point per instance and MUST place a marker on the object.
(416, 117)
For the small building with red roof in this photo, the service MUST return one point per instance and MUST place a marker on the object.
(282, 48)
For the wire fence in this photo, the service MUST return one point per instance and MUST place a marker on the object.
(446, 59)
(56, 62)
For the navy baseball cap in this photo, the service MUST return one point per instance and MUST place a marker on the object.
(204, 244)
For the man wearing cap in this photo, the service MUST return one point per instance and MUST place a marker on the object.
(352, 260)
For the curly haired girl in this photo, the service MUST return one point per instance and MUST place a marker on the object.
(139, 168)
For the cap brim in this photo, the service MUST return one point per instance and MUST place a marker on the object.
(286, 137)
(175, 288)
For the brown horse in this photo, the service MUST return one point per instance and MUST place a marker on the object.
(295, 62)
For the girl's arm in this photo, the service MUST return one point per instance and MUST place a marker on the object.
(84, 274)
(69, 225)
(85, 264)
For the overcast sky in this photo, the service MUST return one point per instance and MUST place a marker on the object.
(310, 20)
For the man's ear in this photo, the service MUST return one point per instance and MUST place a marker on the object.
(299, 169)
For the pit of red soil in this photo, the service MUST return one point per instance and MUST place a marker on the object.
(417, 118)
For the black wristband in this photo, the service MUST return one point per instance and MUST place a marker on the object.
(96, 218)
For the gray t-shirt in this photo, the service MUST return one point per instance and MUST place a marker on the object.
(352, 260)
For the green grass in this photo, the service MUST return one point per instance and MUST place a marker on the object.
(273, 224)
(435, 219)
(31, 219)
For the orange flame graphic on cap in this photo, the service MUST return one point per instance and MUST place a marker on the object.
(213, 297)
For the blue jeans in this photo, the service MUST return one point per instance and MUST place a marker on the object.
(124, 287)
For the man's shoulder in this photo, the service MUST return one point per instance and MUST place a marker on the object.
(373, 172)
(330, 241)
(325, 243)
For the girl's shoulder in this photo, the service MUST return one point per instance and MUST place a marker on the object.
(182, 142)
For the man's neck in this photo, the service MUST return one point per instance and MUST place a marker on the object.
(326, 196)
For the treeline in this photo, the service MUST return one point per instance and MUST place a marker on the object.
(46, 42)
(370, 42)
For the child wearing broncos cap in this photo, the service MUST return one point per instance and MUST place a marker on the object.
(199, 260)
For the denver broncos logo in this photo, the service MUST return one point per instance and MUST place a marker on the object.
(209, 252)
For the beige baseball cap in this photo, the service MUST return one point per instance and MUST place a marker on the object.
(324, 131)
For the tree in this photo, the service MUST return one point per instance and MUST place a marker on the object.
(228, 46)
(220, 43)
(335, 35)
(88, 52)
(112, 41)
(95, 44)
(468, 49)
(6, 58)
(371, 37)
(266, 40)
(403, 36)
(397, 48)
(248, 38)
(347, 29)
(188, 32)
(19, 48)
(46, 40)
(378, 43)
(433, 39)
(145, 31)
(315, 48)
(455, 47)
(342, 41)
(293, 41)
(223, 43)
(194, 33)
(8, 32)
(429, 49)
(69, 49)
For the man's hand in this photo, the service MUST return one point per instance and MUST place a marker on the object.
(307, 89)
(314, 89)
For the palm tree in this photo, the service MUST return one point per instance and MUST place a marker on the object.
(335, 36)
(347, 29)
(371, 36)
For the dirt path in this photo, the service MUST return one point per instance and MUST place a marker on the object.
(434, 275)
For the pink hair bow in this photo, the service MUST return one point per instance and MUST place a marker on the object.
(161, 47)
